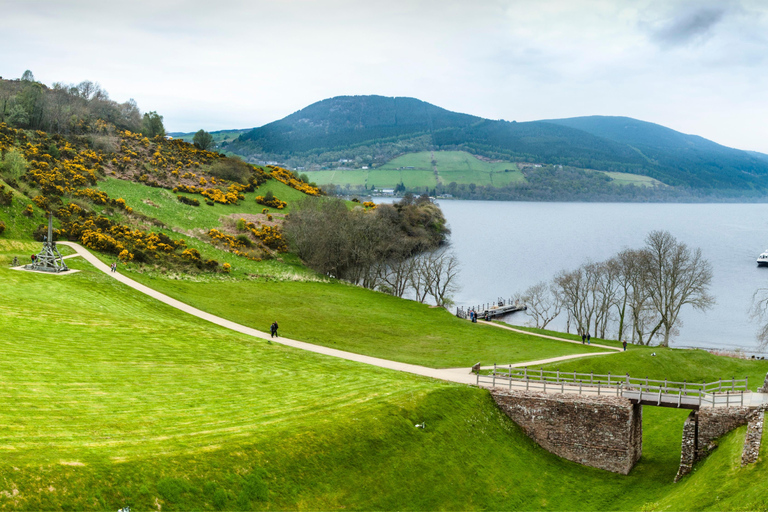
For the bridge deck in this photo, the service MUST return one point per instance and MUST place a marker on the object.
(682, 395)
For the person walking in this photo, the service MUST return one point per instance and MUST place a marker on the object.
(273, 329)
(624, 344)
(583, 338)
(588, 337)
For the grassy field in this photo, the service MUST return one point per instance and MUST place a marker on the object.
(112, 399)
(621, 178)
(358, 320)
(415, 170)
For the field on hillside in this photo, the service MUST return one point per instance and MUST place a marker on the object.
(112, 399)
(416, 170)
(359, 320)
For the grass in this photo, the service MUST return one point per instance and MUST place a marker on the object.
(112, 399)
(358, 320)
(458, 166)
(19, 226)
(621, 178)
(163, 205)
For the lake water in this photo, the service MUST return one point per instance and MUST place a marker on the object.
(505, 247)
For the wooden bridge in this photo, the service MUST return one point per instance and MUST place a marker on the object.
(642, 391)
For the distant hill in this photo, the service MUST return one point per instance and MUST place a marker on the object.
(371, 130)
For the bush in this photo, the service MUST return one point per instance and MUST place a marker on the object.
(231, 169)
(188, 200)
(6, 198)
(243, 239)
(240, 224)
(2, 227)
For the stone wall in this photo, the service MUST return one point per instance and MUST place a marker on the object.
(702, 427)
(764, 387)
(753, 438)
(602, 432)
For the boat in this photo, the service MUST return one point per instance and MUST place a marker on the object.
(762, 260)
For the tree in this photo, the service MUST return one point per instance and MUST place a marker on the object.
(203, 140)
(677, 276)
(542, 302)
(27, 76)
(152, 125)
(440, 269)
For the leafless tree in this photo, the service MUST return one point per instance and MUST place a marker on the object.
(542, 303)
(677, 276)
(439, 271)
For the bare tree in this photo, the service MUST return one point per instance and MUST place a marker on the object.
(677, 276)
(440, 269)
(542, 302)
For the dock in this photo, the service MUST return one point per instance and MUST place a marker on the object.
(492, 309)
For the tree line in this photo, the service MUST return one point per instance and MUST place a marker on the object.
(75, 109)
(399, 248)
(636, 295)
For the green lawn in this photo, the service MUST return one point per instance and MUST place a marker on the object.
(358, 320)
(622, 178)
(112, 399)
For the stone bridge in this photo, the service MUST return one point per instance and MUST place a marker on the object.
(596, 420)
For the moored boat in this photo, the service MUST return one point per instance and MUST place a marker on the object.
(762, 260)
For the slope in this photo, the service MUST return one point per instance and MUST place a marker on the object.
(689, 158)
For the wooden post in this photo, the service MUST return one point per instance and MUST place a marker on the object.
(591, 377)
(579, 386)
(609, 378)
(525, 373)
(684, 386)
(558, 375)
(598, 388)
(527, 383)
(746, 383)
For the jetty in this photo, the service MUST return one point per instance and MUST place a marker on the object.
(492, 309)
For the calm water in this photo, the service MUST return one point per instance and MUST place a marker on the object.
(505, 247)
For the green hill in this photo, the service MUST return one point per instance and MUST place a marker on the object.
(372, 130)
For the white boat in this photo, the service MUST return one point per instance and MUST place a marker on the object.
(762, 260)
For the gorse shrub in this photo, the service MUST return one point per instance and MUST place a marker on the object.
(188, 200)
(2, 227)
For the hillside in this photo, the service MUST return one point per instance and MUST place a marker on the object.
(372, 130)
(114, 399)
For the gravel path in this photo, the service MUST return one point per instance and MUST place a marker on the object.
(458, 375)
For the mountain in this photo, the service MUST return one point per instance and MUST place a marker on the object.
(680, 154)
(376, 129)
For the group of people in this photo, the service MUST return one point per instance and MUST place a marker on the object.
(473, 316)
(273, 329)
(585, 337)
(113, 267)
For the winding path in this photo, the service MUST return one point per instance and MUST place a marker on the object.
(458, 375)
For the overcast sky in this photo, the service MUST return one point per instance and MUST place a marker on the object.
(695, 66)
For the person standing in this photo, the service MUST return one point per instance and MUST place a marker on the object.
(624, 344)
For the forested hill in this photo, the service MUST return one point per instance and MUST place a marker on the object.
(379, 128)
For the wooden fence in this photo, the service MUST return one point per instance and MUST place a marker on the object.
(721, 393)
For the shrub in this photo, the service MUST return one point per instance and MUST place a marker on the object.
(2, 227)
(29, 211)
(240, 224)
(231, 169)
(6, 198)
(209, 202)
(226, 268)
(188, 200)
(243, 239)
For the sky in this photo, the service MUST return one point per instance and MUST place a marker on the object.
(699, 67)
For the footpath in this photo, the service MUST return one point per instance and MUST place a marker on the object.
(458, 375)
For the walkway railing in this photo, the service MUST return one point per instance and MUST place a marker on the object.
(721, 393)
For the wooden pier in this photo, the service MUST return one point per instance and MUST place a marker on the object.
(492, 309)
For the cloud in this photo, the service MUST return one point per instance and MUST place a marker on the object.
(688, 26)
